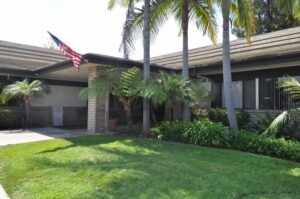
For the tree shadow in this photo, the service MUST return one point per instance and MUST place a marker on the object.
(130, 170)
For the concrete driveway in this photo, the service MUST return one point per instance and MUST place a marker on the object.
(31, 135)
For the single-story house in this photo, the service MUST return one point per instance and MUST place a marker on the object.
(256, 67)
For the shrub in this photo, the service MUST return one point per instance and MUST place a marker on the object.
(253, 143)
(170, 131)
(207, 133)
(220, 115)
(203, 132)
(264, 122)
(8, 118)
(243, 118)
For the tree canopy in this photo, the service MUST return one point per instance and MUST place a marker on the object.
(268, 18)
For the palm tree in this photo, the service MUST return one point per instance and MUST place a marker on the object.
(135, 22)
(242, 12)
(146, 41)
(127, 43)
(24, 90)
(199, 11)
(124, 85)
(169, 88)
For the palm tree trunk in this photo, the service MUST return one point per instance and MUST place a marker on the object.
(227, 77)
(168, 113)
(186, 112)
(146, 35)
(128, 112)
(153, 116)
(27, 112)
(129, 15)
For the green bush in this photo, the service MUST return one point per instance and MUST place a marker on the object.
(220, 115)
(8, 118)
(253, 143)
(207, 133)
(203, 132)
(170, 131)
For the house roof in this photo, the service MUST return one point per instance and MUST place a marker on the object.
(37, 61)
(270, 44)
(31, 61)
(22, 57)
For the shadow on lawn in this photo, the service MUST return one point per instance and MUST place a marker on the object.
(131, 174)
(89, 141)
(136, 168)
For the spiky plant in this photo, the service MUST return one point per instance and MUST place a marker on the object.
(24, 90)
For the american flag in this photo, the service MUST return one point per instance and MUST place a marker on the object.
(68, 52)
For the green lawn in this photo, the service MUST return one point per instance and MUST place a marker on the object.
(120, 167)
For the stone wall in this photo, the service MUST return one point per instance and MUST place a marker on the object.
(257, 115)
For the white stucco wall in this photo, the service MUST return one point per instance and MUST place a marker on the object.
(65, 96)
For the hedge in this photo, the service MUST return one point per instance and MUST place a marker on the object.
(207, 133)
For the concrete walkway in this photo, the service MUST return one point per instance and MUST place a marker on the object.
(31, 135)
(3, 194)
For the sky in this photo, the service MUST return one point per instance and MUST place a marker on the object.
(86, 26)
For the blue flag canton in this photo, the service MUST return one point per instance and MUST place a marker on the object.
(55, 39)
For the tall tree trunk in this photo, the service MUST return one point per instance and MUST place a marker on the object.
(129, 17)
(146, 35)
(227, 77)
(186, 112)
(168, 113)
(27, 112)
(128, 112)
(153, 116)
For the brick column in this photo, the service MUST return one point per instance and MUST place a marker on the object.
(96, 106)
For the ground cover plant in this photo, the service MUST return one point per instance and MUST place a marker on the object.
(120, 167)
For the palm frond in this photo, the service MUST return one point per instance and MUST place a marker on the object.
(242, 15)
(22, 89)
(203, 13)
(277, 124)
(292, 87)
(289, 6)
(119, 83)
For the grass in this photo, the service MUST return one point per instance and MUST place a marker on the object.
(120, 167)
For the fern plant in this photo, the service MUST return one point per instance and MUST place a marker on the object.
(125, 85)
(169, 88)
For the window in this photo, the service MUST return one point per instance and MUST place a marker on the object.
(267, 93)
(244, 95)
(216, 91)
(249, 94)
(237, 92)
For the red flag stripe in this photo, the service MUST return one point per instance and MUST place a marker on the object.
(74, 56)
